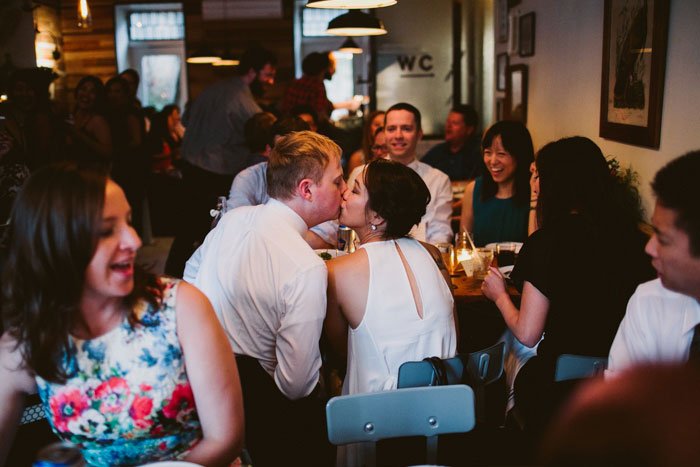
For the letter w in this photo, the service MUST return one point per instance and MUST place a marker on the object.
(406, 62)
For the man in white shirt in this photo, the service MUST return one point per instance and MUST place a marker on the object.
(402, 127)
(268, 289)
(663, 315)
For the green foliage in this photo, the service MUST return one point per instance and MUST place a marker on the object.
(628, 181)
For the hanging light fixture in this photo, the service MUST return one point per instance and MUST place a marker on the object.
(227, 59)
(350, 46)
(203, 55)
(350, 4)
(84, 15)
(356, 23)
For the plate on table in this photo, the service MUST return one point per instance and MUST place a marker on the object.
(329, 253)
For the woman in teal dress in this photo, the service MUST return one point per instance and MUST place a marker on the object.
(496, 206)
(130, 367)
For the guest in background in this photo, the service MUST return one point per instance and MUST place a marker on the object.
(13, 174)
(89, 133)
(460, 155)
(495, 205)
(306, 113)
(128, 365)
(390, 301)
(132, 79)
(258, 133)
(213, 150)
(129, 161)
(662, 323)
(364, 155)
(403, 131)
(576, 272)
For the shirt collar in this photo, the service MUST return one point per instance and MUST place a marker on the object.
(288, 215)
(692, 316)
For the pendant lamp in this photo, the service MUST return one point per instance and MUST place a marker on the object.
(355, 23)
(350, 46)
(84, 15)
(349, 4)
(227, 59)
(203, 55)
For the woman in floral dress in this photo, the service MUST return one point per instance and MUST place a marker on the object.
(131, 367)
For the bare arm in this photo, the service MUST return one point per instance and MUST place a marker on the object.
(527, 323)
(467, 219)
(315, 241)
(213, 375)
(15, 383)
(335, 324)
(534, 195)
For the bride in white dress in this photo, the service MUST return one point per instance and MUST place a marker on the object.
(391, 301)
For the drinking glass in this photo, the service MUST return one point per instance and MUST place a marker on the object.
(447, 253)
(505, 254)
(483, 259)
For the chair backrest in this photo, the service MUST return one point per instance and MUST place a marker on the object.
(419, 374)
(426, 411)
(578, 366)
(486, 366)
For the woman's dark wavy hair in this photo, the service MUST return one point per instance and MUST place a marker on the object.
(54, 232)
(397, 194)
(574, 177)
(517, 141)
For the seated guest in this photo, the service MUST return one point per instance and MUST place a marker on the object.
(576, 272)
(663, 316)
(364, 155)
(306, 113)
(258, 135)
(130, 367)
(390, 301)
(495, 205)
(268, 288)
(460, 155)
(403, 131)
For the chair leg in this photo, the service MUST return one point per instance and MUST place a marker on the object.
(431, 449)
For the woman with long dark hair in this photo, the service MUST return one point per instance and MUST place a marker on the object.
(130, 367)
(576, 272)
(495, 205)
(89, 135)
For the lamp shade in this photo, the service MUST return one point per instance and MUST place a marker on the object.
(350, 46)
(203, 56)
(355, 23)
(227, 59)
(349, 4)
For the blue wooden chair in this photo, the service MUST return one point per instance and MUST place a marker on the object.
(578, 366)
(428, 411)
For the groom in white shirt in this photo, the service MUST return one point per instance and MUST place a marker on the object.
(268, 289)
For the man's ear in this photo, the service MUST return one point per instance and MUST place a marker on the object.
(305, 189)
(420, 135)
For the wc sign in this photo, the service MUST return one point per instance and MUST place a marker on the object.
(414, 66)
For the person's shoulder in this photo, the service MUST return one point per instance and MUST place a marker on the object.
(654, 289)
(436, 152)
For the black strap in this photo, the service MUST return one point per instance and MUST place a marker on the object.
(439, 377)
(694, 354)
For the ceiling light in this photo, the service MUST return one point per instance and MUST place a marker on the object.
(227, 59)
(350, 4)
(84, 15)
(203, 56)
(350, 46)
(355, 23)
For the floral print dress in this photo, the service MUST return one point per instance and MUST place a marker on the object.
(128, 401)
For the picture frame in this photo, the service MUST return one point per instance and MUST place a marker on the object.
(516, 93)
(502, 16)
(501, 67)
(526, 32)
(632, 84)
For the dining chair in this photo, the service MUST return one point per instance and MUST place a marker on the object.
(426, 411)
(578, 366)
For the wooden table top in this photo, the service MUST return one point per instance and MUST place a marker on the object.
(468, 289)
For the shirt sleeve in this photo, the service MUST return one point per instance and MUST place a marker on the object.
(297, 347)
(438, 219)
(328, 231)
(532, 264)
(243, 191)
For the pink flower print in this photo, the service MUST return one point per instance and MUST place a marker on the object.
(112, 394)
(66, 407)
(145, 387)
(181, 402)
(140, 409)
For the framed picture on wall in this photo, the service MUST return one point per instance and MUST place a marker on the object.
(635, 36)
(516, 93)
(501, 67)
(526, 27)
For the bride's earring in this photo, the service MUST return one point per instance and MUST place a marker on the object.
(373, 227)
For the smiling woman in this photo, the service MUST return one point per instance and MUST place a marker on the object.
(117, 355)
(495, 205)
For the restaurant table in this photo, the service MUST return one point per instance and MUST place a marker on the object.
(468, 289)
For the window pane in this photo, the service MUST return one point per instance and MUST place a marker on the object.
(315, 20)
(161, 76)
(156, 25)
(340, 88)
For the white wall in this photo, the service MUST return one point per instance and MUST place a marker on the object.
(565, 74)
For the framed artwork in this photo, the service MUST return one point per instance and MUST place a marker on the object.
(502, 12)
(516, 94)
(526, 31)
(635, 37)
(513, 38)
(501, 67)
